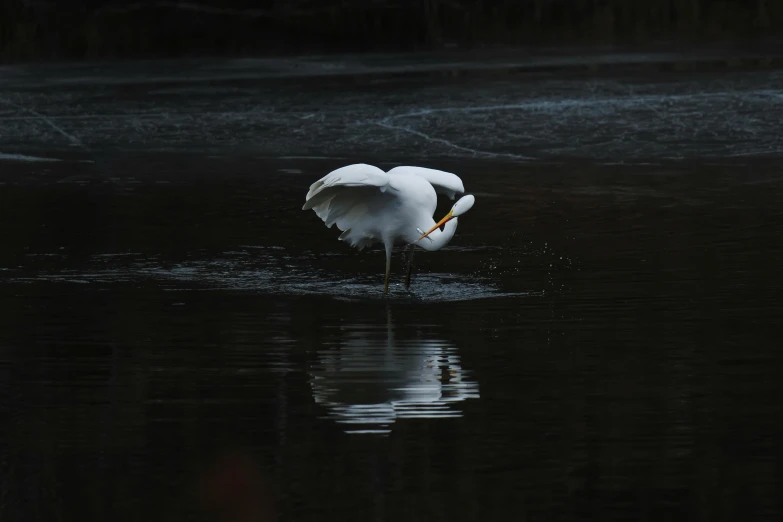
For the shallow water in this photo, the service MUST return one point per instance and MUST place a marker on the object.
(598, 342)
(57, 113)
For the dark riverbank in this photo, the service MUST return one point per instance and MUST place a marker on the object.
(44, 30)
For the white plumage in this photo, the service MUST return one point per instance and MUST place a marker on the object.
(371, 206)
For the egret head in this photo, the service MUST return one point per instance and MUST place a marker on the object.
(460, 207)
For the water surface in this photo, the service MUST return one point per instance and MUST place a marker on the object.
(599, 341)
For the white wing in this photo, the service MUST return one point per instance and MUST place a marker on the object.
(344, 196)
(443, 182)
(358, 175)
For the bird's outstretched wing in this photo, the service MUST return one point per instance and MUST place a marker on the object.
(358, 175)
(444, 182)
(343, 197)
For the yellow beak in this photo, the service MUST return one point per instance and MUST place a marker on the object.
(443, 221)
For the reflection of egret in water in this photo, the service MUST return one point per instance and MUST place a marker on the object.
(370, 379)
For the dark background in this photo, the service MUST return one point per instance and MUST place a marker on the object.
(104, 29)
(167, 309)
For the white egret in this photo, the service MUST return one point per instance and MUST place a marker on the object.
(372, 206)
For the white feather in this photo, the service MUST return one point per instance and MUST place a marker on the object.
(358, 175)
(443, 182)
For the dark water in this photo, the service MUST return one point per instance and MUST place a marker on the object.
(596, 344)
(179, 341)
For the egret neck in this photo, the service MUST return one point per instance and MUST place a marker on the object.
(436, 238)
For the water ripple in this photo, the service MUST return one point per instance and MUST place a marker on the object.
(267, 271)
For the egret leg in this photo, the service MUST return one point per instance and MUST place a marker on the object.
(410, 267)
(388, 268)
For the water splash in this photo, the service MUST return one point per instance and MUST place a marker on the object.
(268, 271)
